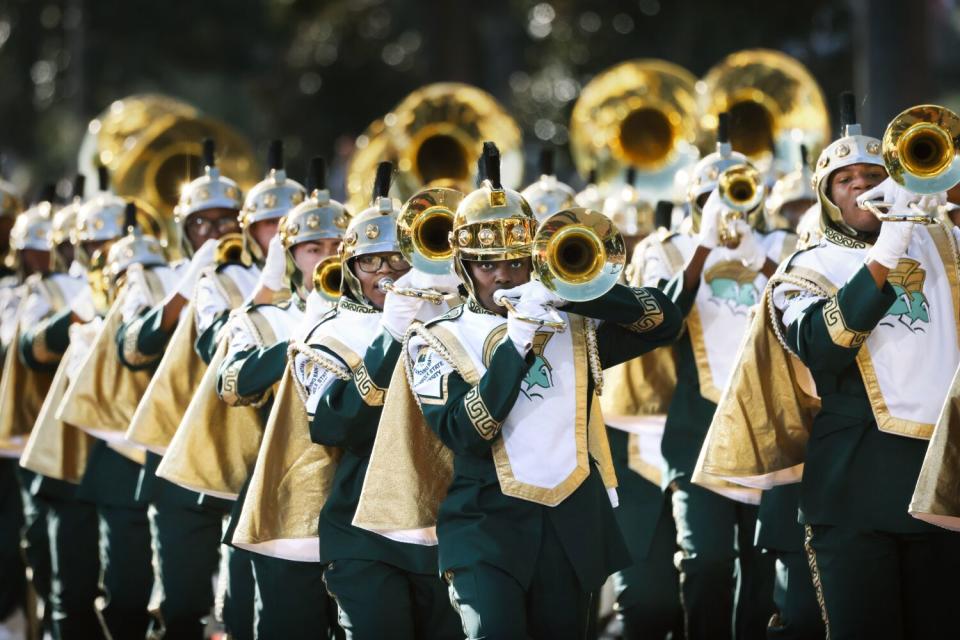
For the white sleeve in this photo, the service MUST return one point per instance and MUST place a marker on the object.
(136, 296)
(793, 302)
(209, 303)
(239, 337)
(429, 373)
(35, 308)
(316, 375)
(655, 268)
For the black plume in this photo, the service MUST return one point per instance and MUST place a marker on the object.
(723, 128)
(546, 161)
(316, 174)
(79, 182)
(592, 176)
(848, 110)
(663, 214)
(491, 163)
(48, 193)
(481, 170)
(130, 216)
(804, 152)
(631, 175)
(275, 155)
(103, 178)
(381, 185)
(209, 155)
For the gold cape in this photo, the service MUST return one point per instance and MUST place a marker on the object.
(936, 498)
(56, 449)
(289, 485)
(105, 377)
(759, 432)
(215, 446)
(165, 401)
(410, 469)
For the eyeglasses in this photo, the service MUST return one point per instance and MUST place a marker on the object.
(371, 263)
(205, 226)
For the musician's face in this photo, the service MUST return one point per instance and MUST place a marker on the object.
(492, 275)
(845, 184)
(263, 231)
(307, 255)
(371, 268)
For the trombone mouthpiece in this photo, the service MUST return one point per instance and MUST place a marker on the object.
(385, 284)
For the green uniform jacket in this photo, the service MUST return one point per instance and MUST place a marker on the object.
(854, 475)
(343, 419)
(477, 523)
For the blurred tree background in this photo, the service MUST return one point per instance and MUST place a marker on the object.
(316, 73)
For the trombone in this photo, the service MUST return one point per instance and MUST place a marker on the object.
(423, 231)
(741, 189)
(921, 151)
(578, 254)
(327, 276)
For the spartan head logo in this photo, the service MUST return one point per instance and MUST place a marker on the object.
(732, 285)
(540, 375)
(912, 310)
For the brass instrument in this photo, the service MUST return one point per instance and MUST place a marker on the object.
(741, 189)
(152, 146)
(433, 137)
(921, 151)
(326, 278)
(775, 105)
(230, 250)
(642, 114)
(101, 287)
(578, 254)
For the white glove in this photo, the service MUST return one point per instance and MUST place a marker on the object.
(399, 311)
(521, 332)
(891, 244)
(901, 197)
(82, 305)
(275, 265)
(710, 221)
(749, 251)
(317, 306)
(446, 283)
(202, 259)
(532, 291)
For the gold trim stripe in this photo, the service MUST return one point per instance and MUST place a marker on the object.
(481, 419)
(840, 333)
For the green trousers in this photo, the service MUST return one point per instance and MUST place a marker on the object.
(14, 584)
(237, 591)
(378, 600)
(886, 586)
(186, 553)
(34, 542)
(126, 573)
(492, 604)
(726, 584)
(797, 614)
(292, 600)
(73, 535)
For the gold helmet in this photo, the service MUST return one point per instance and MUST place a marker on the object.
(629, 210)
(101, 218)
(269, 199)
(548, 195)
(706, 173)
(63, 228)
(491, 223)
(851, 148)
(319, 217)
(133, 248)
(373, 230)
(791, 187)
(32, 227)
(209, 191)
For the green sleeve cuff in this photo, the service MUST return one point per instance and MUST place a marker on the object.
(206, 344)
(42, 347)
(261, 369)
(141, 342)
(861, 303)
(381, 358)
(684, 299)
(58, 331)
(152, 340)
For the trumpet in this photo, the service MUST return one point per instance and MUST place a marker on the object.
(327, 276)
(921, 151)
(578, 254)
(229, 249)
(741, 190)
(423, 230)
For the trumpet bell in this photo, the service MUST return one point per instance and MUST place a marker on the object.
(741, 188)
(921, 149)
(579, 254)
(326, 278)
(424, 227)
(229, 249)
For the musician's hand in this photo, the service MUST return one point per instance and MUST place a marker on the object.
(399, 311)
(710, 221)
(532, 291)
(891, 244)
(900, 197)
(521, 332)
(749, 251)
(447, 283)
(275, 265)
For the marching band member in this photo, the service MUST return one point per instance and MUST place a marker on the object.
(715, 286)
(548, 195)
(290, 594)
(185, 530)
(383, 588)
(526, 529)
